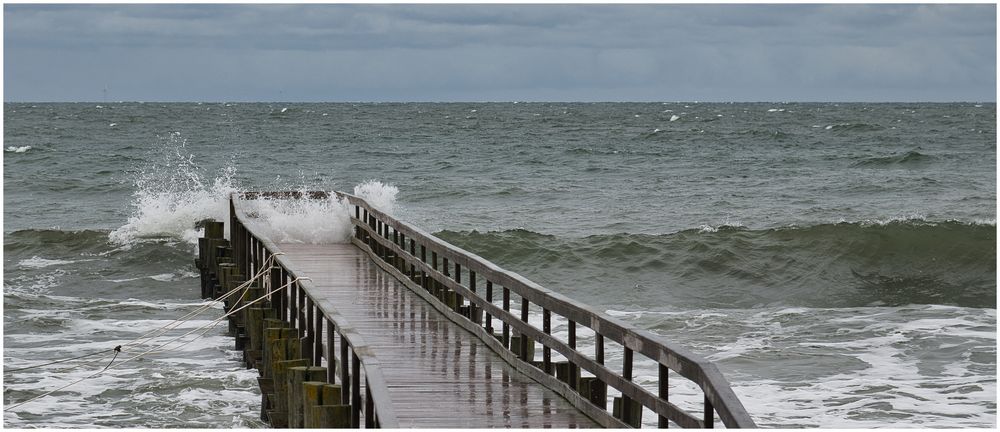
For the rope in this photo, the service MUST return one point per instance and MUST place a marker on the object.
(177, 322)
(213, 322)
(149, 336)
(56, 361)
(118, 348)
(244, 286)
(10, 407)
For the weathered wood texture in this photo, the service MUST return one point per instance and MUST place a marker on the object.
(438, 374)
(435, 274)
(393, 244)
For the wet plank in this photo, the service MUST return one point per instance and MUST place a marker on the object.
(438, 374)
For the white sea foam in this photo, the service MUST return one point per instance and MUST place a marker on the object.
(14, 149)
(674, 117)
(172, 195)
(163, 277)
(25, 285)
(892, 374)
(38, 262)
(381, 196)
(301, 221)
(316, 221)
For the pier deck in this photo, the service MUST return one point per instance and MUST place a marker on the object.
(437, 373)
(400, 329)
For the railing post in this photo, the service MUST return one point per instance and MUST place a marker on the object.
(506, 326)
(459, 301)
(369, 407)
(331, 352)
(524, 338)
(709, 413)
(423, 274)
(310, 328)
(301, 309)
(664, 389)
(546, 351)
(472, 305)
(276, 294)
(413, 253)
(293, 311)
(355, 390)
(433, 283)
(345, 376)
(443, 289)
(489, 299)
(627, 374)
(317, 336)
(357, 217)
(572, 344)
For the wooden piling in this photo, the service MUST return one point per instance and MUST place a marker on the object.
(566, 373)
(270, 346)
(281, 390)
(213, 229)
(631, 416)
(317, 393)
(332, 416)
(516, 344)
(594, 390)
(294, 379)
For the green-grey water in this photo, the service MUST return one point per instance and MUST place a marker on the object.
(837, 261)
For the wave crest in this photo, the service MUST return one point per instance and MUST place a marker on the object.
(827, 265)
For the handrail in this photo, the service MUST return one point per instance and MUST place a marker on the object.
(308, 313)
(395, 243)
(719, 397)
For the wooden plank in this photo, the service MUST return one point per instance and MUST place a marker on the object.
(717, 390)
(447, 367)
(387, 324)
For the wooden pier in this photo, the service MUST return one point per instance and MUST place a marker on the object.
(400, 329)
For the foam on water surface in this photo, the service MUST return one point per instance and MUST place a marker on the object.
(840, 368)
(172, 193)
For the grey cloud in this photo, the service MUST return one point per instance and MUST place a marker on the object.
(378, 52)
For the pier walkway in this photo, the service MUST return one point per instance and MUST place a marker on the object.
(437, 373)
(400, 329)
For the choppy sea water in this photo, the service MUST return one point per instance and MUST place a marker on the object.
(837, 261)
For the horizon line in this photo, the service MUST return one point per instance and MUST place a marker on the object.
(501, 101)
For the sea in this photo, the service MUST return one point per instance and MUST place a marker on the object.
(836, 261)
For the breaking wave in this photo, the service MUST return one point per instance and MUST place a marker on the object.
(173, 194)
(869, 263)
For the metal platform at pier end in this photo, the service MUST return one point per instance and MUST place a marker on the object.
(400, 329)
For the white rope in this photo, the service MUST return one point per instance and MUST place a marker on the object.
(210, 326)
(149, 336)
(213, 323)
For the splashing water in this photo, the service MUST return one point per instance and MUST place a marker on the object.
(317, 221)
(379, 195)
(301, 220)
(173, 194)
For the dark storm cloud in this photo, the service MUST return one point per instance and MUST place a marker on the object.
(500, 52)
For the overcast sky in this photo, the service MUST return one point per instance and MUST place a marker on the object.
(500, 52)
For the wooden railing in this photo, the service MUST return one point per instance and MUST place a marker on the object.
(350, 360)
(469, 286)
